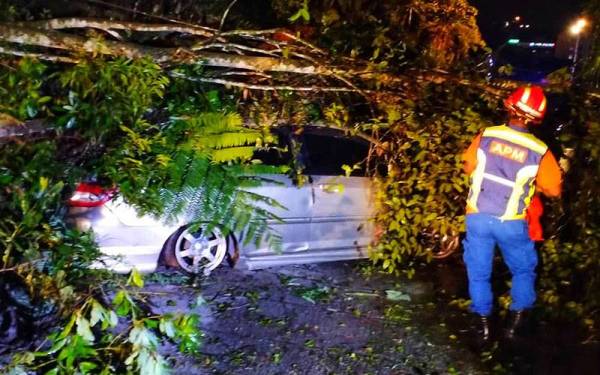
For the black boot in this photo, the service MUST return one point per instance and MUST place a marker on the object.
(515, 325)
(483, 329)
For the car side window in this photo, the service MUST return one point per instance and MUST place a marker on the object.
(327, 154)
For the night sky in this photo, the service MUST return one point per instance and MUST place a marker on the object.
(547, 17)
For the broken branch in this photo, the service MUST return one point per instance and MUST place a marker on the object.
(250, 86)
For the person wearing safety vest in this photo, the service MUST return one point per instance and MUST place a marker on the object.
(506, 165)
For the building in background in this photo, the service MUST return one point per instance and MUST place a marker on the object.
(531, 53)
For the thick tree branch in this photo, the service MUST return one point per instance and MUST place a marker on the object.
(26, 36)
(233, 46)
(83, 23)
(73, 43)
(251, 86)
(47, 42)
(222, 23)
(25, 130)
(284, 33)
(40, 56)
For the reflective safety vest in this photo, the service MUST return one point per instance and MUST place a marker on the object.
(502, 184)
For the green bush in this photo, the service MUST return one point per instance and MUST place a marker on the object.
(420, 203)
(122, 123)
(570, 267)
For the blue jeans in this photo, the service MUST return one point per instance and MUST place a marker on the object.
(484, 232)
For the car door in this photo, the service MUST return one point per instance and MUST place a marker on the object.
(294, 226)
(342, 206)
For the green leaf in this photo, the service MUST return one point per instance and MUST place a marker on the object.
(113, 319)
(67, 330)
(44, 99)
(302, 12)
(83, 329)
(347, 170)
(97, 314)
(56, 346)
(119, 297)
(167, 327)
(123, 303)
(135, 279)
(86, 367)
(142, 337)
(43, 183)
(396, 295)
(31, 111)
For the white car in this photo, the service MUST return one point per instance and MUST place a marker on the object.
(327, 218)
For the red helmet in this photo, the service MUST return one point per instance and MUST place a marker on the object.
(529, 102)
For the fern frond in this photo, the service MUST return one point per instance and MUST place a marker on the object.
(215, 122)
(224, 140)
(232, 154)
(208, 175)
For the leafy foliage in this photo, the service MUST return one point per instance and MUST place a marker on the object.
(177, 149)
(420, 202)
(570, 268)
(448, 27)
(28, 202)
(391, 34)
(302, 13)
(120, 123)
(591, 69)
(89, 343)
(21, 90)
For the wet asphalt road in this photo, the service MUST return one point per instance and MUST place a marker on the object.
(334, 319)
(316, 319)
(338, 318)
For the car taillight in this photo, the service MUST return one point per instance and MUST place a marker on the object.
(90, 195)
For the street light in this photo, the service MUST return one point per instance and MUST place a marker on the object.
(578, 26)
(576, 29)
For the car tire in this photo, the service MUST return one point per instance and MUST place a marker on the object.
(447, 247)
(195, 252)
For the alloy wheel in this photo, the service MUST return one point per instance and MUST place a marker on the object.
(200, 251)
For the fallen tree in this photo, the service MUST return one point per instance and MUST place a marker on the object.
(243, 58)
(126, 95)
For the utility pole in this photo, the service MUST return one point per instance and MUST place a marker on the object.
(576, 30)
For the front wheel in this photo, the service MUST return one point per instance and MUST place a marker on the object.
(446, 247)
(196, 252)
